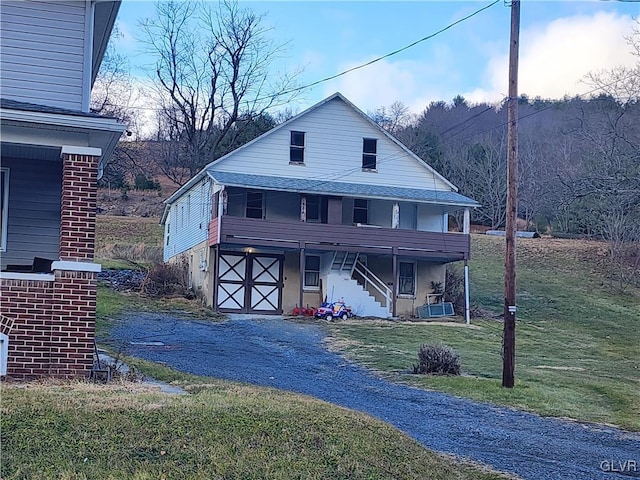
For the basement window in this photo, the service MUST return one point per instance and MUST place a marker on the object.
(406, 278)
(312, 272)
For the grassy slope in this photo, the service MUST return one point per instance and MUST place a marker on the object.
(119, 239)
(578, 346)
(220, 430)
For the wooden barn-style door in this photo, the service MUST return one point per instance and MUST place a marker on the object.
(250, 282)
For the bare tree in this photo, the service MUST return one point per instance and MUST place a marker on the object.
(393, 119)
(112, 91)
(112, 95)
(612, 182)
(212, 67)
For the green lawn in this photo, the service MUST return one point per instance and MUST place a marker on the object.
(220, 430)
(577, 341)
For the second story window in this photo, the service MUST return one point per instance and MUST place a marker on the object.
(360, 211)
(254, 205)
(296, 150)
(369, 153)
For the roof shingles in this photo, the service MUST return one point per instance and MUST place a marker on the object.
(301, 185)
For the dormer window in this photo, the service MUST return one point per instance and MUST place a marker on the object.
(296, 149)
(369, 153)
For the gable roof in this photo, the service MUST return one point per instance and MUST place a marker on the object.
(363, 115)
(105, 15)
(211, 167)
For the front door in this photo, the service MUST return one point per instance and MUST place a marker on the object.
(250, 282)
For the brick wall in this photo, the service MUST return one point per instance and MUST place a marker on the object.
(51, 323)
(27, 320)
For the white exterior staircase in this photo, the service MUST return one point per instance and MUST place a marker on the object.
(342, 285)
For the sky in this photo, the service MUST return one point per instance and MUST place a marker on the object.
(560, 42)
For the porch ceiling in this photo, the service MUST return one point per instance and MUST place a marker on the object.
(21, 150)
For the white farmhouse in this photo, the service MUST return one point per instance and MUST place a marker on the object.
(326, 205)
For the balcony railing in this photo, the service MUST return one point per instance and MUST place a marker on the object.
(228, 230)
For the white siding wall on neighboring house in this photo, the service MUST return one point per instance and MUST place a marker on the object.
(43, 52)
(431, 219)
(333, 151)
(33, 228)
(188, 220)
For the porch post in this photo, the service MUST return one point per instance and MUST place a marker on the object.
(466, 224)
(394, 296)
(466, 229)
(467, 313)
(302, 268)
(395, 215)
(303, 208)
(222, 209)
(78, 203)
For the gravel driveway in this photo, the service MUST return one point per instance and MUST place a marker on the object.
(291, 356)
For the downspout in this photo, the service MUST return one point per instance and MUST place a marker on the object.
(90, 10)
(222, 207)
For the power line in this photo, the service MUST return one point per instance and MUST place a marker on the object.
(395, 52)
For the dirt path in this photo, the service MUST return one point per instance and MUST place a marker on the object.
(292, 356)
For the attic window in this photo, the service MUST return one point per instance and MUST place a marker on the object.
(369, 153)
(296, 149)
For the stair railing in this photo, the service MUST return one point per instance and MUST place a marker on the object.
(370, 279)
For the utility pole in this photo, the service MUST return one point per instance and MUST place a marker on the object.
(509, 334)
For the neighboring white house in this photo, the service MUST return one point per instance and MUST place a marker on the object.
(53, 149)
(327, 205)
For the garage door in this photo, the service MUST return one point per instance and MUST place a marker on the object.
(250, 283)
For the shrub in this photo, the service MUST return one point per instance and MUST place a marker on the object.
(437, 360)
(167, 279)
(454, 289)
(142, 182)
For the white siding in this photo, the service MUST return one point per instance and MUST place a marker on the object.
(333, 151)
(188, 220)
(431, 219)
(43, 52)
(33, 228)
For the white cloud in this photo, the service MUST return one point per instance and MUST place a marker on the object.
(555, 57)
(414, 83)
